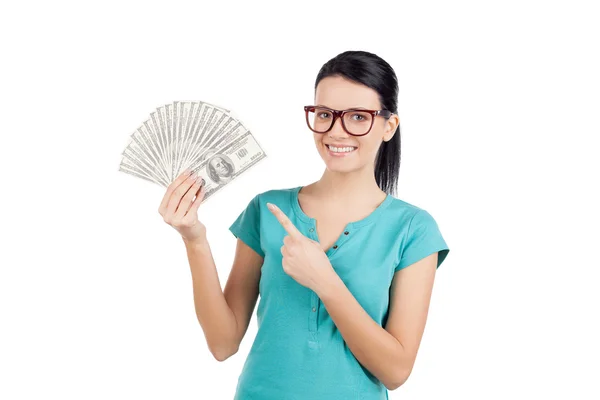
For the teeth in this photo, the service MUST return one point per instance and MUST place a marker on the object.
(340, 149)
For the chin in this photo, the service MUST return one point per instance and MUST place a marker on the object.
(341, 170)
(340, 164)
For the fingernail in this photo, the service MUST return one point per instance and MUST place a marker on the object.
(270, 206)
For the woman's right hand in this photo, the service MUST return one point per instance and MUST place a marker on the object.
(179, 208)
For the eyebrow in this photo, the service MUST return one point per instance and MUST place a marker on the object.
(351, 108)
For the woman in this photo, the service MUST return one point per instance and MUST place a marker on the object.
(344, 269)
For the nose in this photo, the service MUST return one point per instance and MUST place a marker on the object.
(337, 131)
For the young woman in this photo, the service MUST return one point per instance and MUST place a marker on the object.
(344, 269)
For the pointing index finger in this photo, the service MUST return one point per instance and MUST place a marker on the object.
(284, 221)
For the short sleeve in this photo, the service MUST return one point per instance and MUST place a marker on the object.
(424, 238)
(247, 226)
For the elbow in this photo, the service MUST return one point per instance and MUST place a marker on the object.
(397, 380)
(222, 353)
(221, 356)
(222, 344)
(394, 384)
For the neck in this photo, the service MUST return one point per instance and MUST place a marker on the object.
(356, 186)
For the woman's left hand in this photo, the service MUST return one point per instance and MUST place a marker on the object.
(303, 258)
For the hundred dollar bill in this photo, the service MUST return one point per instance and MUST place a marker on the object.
(229, 132)
(189, 122)
(148, 151)
(123, 168)
(161, 139)
(201, 120)
(198, 123)
(149, 131)
(191, 110)
(136, 159)
(163, 114)
(221, 166)
(136, 147)
(216, 119)
(223, 131)
(176, 121)
(128, 165)
(201, 123)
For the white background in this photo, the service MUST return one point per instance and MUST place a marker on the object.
(499, 106)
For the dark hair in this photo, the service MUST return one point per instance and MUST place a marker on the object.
(372, 71)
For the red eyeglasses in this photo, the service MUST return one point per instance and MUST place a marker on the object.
(355, 121)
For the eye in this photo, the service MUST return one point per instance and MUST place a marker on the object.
(323, 114)
(360, 117)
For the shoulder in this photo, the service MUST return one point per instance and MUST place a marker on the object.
(401, 212)
(404, 218)
(418, 233)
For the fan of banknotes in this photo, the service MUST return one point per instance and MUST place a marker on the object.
(196, 135)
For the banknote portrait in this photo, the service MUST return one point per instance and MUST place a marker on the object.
(220, 168)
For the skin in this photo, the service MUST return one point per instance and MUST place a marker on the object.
(346, 192)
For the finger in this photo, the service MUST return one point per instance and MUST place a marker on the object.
(178, 181)
(186, 201)
(198, 200)
(287, 240)
(178, 194)
(285, 221)
(285, 265)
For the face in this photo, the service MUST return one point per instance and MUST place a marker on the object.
(219, 165)
(339, 93)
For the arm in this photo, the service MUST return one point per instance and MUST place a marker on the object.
(224, 315)
(388, 353)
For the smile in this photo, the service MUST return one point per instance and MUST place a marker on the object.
(341, 150)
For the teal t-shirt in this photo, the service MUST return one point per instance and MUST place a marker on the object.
(298, 352)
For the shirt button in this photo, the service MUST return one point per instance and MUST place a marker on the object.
(311, 230)
(335, 247)
(314, 309)
(345, 233)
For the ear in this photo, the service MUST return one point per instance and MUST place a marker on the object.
(390, 127)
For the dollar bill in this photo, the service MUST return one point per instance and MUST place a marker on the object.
(129, 165)
(147, 148)
(136, 161)
(164, 118)
(221, 166)
(154, 124)
(126, 170)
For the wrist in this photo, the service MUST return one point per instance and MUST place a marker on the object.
(329, 286)
(200, 241)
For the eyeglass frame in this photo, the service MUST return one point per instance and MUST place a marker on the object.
(340, 114)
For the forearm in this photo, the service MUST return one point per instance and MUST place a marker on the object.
(374, 347)
(213, 313)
